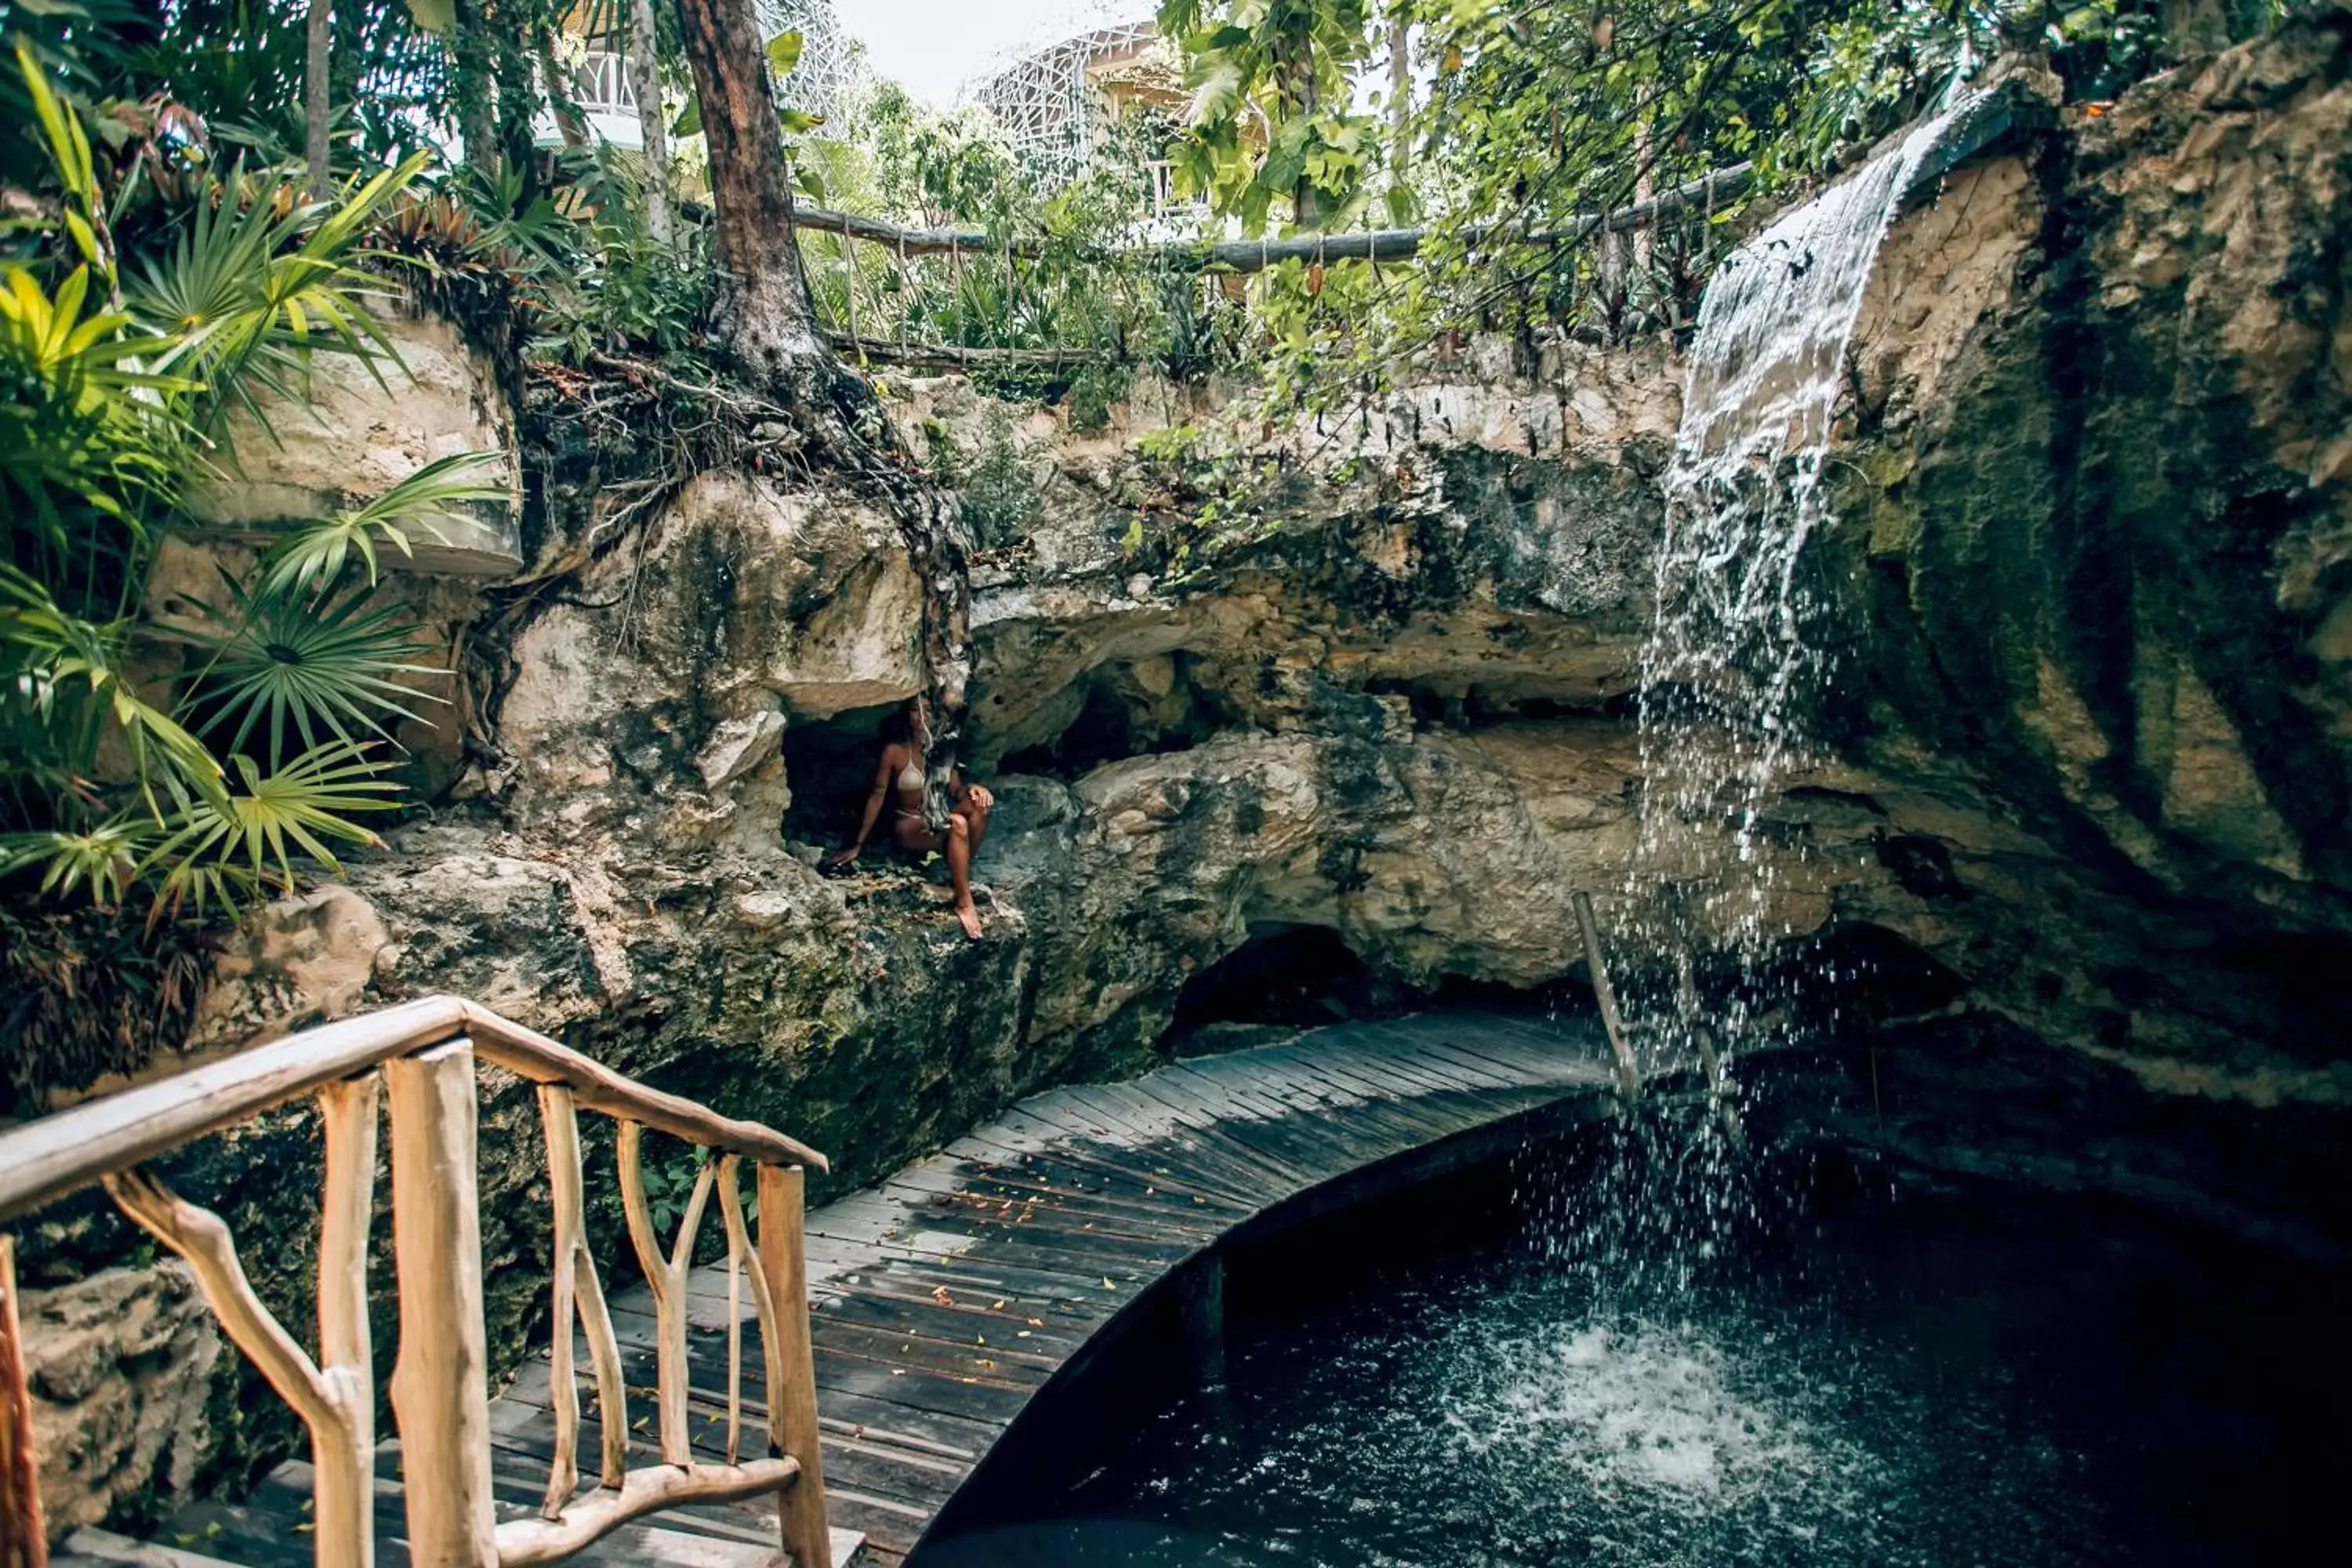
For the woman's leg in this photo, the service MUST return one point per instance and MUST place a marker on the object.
(961, 839)
(976, 807)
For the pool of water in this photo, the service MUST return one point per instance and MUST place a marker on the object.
(1857, 1370)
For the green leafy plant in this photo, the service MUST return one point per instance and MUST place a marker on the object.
(312, 557)
(294, 667)
(116, 378)
(217, 851)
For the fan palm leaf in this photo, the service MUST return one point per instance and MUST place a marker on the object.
(49, 659)
(214, 850)
(316, 669)
(260, 279)
(104, 860)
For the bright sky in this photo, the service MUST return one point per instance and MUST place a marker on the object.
(933, 46)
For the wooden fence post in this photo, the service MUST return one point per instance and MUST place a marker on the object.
(440, 1385)
(792, 1366)
(23, 1539)
(343, 1455)
(1629, 1077)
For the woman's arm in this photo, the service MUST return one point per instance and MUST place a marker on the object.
(874, 801)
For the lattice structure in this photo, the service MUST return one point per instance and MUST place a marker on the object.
(1042, 95)
(819, 84)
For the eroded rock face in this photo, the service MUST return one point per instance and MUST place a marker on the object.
(121, 1367)
(2090, 582)
(364, 428)
(2100, 564)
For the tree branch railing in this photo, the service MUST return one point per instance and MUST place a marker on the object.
(413, 1069)
(1256, 256)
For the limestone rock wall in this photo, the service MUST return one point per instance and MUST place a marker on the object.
(2096, 557)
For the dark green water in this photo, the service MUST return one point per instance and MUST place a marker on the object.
(1864, 1376)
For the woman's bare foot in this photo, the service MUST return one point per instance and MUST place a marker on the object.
(971, 918)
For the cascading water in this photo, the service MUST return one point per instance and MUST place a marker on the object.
(1727, 668)
(1727, 677)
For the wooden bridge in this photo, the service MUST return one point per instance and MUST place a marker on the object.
(940, 1302)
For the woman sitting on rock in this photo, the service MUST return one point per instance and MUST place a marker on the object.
(906, 738)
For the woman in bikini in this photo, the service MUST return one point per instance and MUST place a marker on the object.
(906, 737)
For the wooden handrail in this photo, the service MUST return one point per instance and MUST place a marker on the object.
(414, 1068)
(47, 1159)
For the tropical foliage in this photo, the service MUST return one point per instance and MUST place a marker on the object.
(144, 300)
(171, 261)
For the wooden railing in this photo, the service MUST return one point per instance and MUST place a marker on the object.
(418, 1061)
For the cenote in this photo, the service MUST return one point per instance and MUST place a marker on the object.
(1539, 1361)
(1333, 784)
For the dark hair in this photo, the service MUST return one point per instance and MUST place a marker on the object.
(899, 725)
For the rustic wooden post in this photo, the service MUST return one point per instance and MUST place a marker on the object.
(440, 1385)
(665, 1278)
(23, 1538)
(1629, 1077)
(578, 1298)
(792, 1387)
(343, 1455)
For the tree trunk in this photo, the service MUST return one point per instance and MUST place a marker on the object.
(645, 84)
(570, 124)
(469, 50)
(1305, 210)
(315, 105)
(770, 324)
(1400, 102)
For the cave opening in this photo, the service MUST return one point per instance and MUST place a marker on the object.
(1452, 706)
(1130, 709)
(1285, 977)
(829, 764)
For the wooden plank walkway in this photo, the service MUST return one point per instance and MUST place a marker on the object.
(945, 1298)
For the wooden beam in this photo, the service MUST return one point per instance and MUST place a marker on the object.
(23, 1536)
(792, 1397)
(1253, 255)
(440, 1385)
(1629, 1077)
(527, 1543)
(47, 1159)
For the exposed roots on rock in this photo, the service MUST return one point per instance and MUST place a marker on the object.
(629, 435)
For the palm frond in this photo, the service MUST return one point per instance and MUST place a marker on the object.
(213, 850)
(84, 422)
(261, 278)
(105, 859)
(47, 655)
(313, 556)
(298, 665)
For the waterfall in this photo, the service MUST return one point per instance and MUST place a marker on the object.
(1726, 670)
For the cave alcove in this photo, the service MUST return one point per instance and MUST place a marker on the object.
(829, 764)
(1283, 978)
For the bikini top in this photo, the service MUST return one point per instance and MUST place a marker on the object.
(910, 779)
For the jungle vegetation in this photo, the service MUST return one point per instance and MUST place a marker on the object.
(200, 199)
